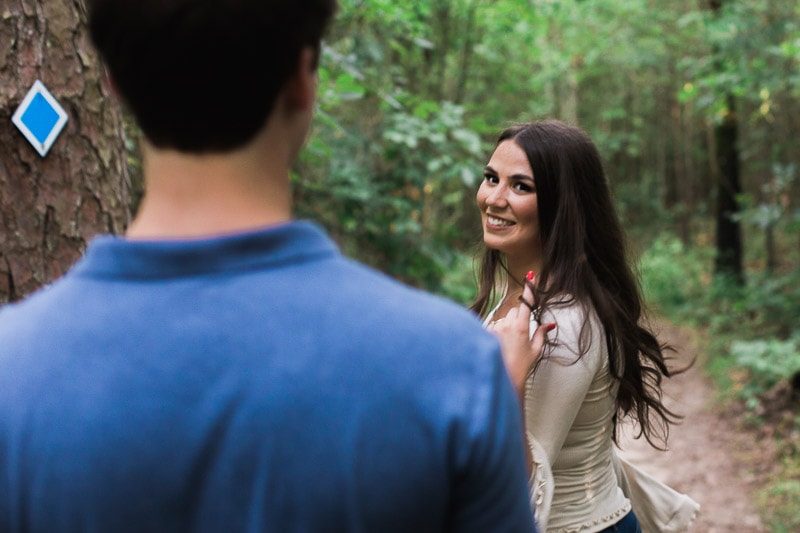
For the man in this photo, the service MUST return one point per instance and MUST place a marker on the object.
(222, 367)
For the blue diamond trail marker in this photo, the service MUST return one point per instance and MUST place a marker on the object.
(40, 118)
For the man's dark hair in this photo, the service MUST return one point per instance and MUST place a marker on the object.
(204, 75)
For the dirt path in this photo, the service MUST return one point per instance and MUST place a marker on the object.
(708, 458)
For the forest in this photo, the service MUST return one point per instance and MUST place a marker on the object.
(694, 105)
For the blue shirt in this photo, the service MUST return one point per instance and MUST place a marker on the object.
(252, 382)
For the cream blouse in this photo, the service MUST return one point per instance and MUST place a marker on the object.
(576, 484)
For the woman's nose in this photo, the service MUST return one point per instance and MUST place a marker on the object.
(497, 197)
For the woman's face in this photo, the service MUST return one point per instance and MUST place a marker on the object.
(508, 204)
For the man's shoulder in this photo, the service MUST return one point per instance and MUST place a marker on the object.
(402, 304)
(399, 325)
(25, 324)
(16, 316)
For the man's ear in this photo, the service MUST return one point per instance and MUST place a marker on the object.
(110, 85)
(301, 87)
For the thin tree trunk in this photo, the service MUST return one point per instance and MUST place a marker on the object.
(444, 22)
(688, 173)
(729, 233)
(665, 164)
(466, 55)
(50, 207)
(569, 103)
(769, 245)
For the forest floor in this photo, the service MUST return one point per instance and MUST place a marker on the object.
(710, 457)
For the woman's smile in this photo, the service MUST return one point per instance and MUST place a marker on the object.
(495, 222)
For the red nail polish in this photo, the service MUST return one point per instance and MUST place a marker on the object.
(530, 275)
(551, 326)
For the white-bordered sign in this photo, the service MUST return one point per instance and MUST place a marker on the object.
(40, 118)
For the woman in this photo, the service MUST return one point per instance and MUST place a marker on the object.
(546, 208)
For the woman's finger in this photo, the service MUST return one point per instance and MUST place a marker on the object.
(539, 338)
(512, 314)
(528, 299)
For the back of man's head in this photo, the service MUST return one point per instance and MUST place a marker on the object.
(204, 75)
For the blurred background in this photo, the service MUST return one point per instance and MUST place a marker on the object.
(693, 105)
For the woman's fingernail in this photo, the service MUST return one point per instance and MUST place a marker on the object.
(551, 326)
(530, 275)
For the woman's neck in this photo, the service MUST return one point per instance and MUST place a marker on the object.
(518, 268)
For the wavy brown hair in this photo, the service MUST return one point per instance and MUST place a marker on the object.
(585, 257)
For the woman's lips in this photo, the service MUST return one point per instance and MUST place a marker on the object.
(496, 222)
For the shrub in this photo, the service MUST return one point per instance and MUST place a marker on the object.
(674, 277)
(766, 363)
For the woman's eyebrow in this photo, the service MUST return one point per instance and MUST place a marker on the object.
(489, 169)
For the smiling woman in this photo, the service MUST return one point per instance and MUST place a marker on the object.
(546, 208)
(509, 208)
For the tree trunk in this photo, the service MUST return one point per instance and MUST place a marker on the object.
(466, 54)
(686, 136)
(729, 233)
(444, 19)
(570, 88)
(50, 207)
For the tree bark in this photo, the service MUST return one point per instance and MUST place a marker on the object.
(729, 234)
(50, 207)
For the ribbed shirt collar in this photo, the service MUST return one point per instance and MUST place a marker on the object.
(110, 256)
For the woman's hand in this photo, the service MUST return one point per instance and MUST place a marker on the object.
(521, 351)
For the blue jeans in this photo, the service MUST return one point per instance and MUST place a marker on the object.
(628, 524)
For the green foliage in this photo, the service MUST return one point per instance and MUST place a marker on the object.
(769, 212)
(459, 282)
(674, 278)
(753, 345)
(751, 43)
(770, 305)
(780, 502)
(394, 195)
(774, 194)
(753, 336)
(766, 363)
(391, 165)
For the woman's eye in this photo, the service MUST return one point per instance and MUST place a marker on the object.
(523, 187)
(490, 178)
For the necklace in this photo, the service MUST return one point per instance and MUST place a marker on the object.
(507, 303)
